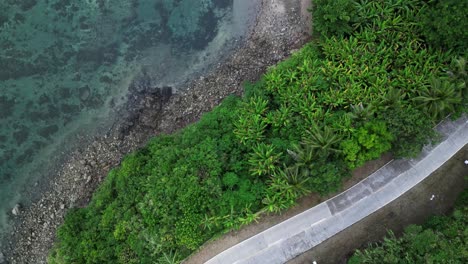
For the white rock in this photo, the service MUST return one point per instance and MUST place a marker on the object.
(16, 210)
(2, 258)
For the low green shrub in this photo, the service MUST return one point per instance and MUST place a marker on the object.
(444, 25)
(368, 143)
(334, 17)
(442, 239)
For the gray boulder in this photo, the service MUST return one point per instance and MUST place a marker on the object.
(16, 210)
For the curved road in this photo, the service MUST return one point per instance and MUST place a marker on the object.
(304, 231)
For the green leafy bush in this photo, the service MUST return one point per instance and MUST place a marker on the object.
(327, 176)
(444, 25)
(443, 239)
(251, 123)
(458, 76)
(157, 200)
(333, 17)
(367, 143)
(405, 123)
(264, 160)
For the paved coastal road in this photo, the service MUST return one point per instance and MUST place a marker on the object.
(304, 231)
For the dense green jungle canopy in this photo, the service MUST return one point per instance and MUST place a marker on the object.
(377, 77)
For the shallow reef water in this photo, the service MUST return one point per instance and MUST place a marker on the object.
(66, 64)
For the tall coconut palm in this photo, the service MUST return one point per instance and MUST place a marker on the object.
(459, 66)
(288, 185)
(439, 98)
(460, 77)
(322, 140)
(264, 159)
(360, 113)
(170, 258)
(391, 99)
(303, 155)
(295, 179)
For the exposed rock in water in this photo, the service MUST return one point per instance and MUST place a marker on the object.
(16, 210)
(85, 93)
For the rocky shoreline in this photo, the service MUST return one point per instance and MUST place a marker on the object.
(281, 27)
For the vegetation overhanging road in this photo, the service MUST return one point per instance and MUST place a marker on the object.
(300, 233)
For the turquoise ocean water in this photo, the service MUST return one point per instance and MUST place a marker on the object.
(65, 63)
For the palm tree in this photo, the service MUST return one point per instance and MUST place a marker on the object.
(285, 187)
(301, 154)
(459, 69)
(296, 180)
(460, 77)
(322, 141)
(248, 216)
(361, 113)
(263, 160)
(439, 99)
(391, 99)
(170, 258)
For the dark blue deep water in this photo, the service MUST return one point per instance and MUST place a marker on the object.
(62, 63)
